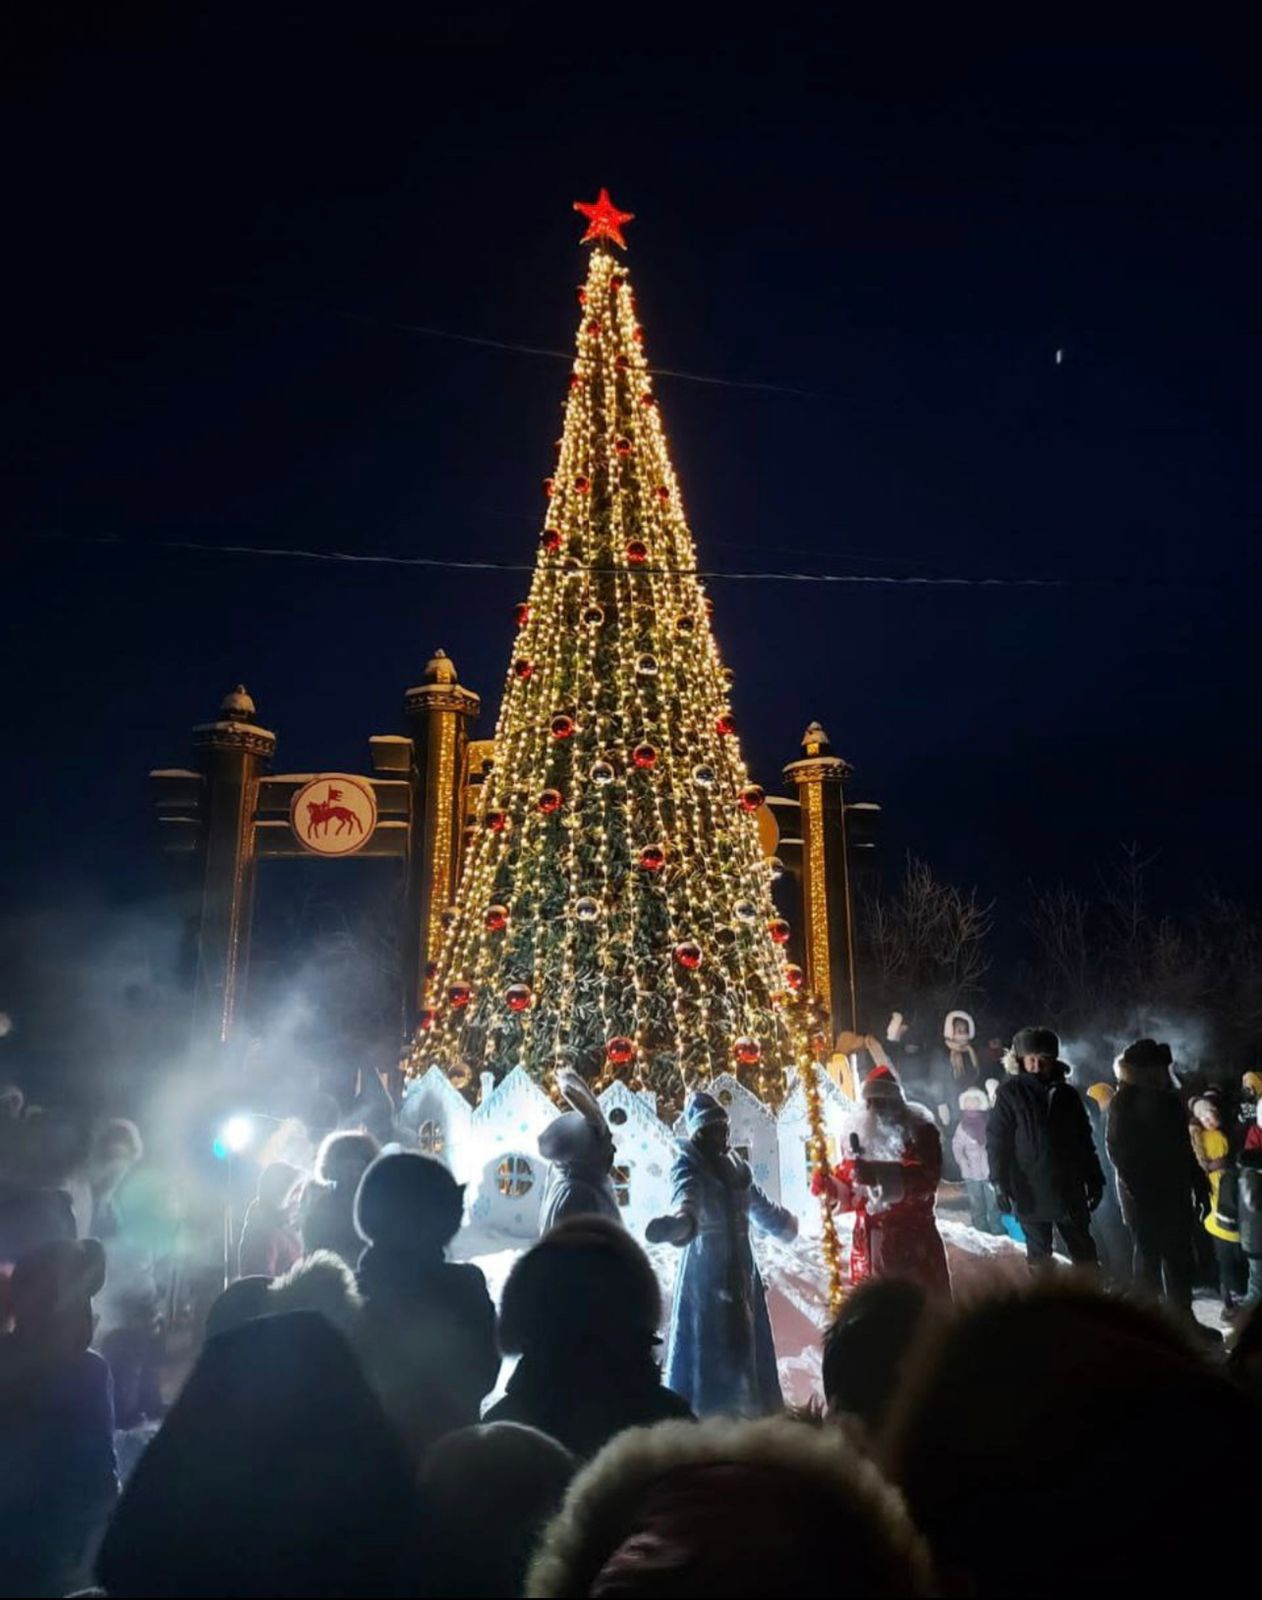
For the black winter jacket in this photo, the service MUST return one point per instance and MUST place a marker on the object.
(1250, 1199)
(1147, 1140)
(1041, 1152)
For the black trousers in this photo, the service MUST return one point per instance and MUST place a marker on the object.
(1232, 1269)
(1075, 1235)
(1163, 1256)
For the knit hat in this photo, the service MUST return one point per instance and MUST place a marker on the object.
(1251, 1083)
(702, 1110)
(974, 1100)
(881, 1085)
(1147, 1054)
(1035, 1042)
(1102, 1094)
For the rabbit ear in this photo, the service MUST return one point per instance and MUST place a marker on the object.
(579, 1095)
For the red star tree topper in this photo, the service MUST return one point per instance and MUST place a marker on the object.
(604, 220)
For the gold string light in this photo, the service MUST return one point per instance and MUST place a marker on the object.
(616, 636)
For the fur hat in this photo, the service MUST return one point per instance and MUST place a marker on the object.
(702, 1110)
(1035, 1042)
(345, 1155)
(974, 1100)
(1147, 1053)
(734, 1508)
(587, 1280)
(881, 1084)
(406, 1200)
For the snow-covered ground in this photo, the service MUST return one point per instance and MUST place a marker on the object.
(797, 1286)
(796, 1282)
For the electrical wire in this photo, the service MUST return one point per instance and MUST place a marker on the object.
(449, 563)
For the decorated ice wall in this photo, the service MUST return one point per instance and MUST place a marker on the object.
(495, 1148)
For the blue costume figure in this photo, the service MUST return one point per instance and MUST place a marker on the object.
(721, 1356)
(580, 1147)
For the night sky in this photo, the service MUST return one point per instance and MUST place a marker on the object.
(216, 231)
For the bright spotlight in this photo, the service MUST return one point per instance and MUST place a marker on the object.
(237, 1134)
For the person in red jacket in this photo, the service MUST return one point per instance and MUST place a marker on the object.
(890, 1182)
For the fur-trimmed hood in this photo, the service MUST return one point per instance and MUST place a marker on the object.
(320, 1282)
(606, 1504)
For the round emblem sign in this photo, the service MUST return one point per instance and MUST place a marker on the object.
(334, 814)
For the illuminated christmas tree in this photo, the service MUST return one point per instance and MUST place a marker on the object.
(615, 912)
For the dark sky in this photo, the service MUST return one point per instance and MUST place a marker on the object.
(213, 227)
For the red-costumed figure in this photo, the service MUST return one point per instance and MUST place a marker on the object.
(890, 1182)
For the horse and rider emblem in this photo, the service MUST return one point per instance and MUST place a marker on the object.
(334, 814)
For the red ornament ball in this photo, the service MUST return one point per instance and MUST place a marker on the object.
(652, 858)
(561, 726)
(644, 756)
(779, 930)
(459, 995)
(549, 801)
(647, 400)
(582, 483)
(576, 380)
(521, 614)
(637, 552)
(523, 669)
(496, 821)
(794, 976)
(620, 1050)
(748, 1051)
(616, 282)
(688, 955)
(709, 606)
(752, 796)
(725, 723)
(663, 493)
(427, 1019)
(549, 487)
(517, 996)
(496, 919)
(551, 539)
(622, 446)
(621, 363)
(638, 335)
(582, 296)
(431, 970)
(593, 327)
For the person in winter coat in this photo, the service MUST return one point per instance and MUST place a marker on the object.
(58, 1473)
(1112, 1236)
(427, 1328)
(1250, 1203)
(968, 1144)
(579, 1147)
(890, 1182)
(1042, 1160)
(275, 1473)
(326, 1208)
(582, 1310)
(269, 1245)
(721, 1357)
(1157, 1184)
(1212, 1148)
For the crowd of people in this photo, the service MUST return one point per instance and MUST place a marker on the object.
(343, 1428)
